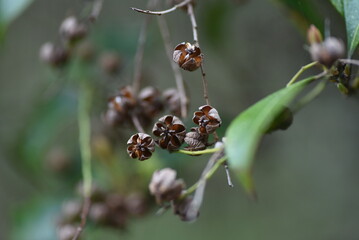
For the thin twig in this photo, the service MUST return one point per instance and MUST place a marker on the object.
(350, 61)
(85, 210)
(137, 124)
(192, 17)
(302, 69)
(85, 150)
(205, 86)
(140, 51)
(159, 13)
(229, 180)
(200, 152)
(176, 71)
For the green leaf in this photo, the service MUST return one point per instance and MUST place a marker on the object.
(338, 4)
(351, 13)
(246, 130)
(350, 10)
(303, 13)
(9, 10)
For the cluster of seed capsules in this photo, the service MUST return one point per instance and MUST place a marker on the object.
(108, 209)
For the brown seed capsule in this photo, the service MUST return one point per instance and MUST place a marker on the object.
(141, 146)
(172, 101)
(99, 212)
(136, 204)
(110, 63)
(327, 52)
(150, 102)
(184, 211)
(55, 56)
(71, 211)
(72, 30)
(207, 118)
(188, 56)
(164, 185)
(195, 140)
(171, 132)
(313, 35)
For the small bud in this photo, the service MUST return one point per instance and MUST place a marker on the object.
(314, 35)
(327, 52)
(55, 56)
(141, 146)
(343, 89)
(72, 30)
(188, 56)
(164, 185)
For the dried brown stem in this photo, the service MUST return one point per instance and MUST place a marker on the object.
(85, 210)
(176, 71)
(192, 17)
(205, 86)
(137, 124)
(350, 61)
(159, 13)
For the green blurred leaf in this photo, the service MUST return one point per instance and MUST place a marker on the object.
(303, 13)
(9, 10)
(350, 11)
(49, 119)
(338, 4)
(246, 130)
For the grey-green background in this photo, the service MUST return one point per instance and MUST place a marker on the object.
(307, 177)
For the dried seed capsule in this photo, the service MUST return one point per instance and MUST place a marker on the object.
(313, 35)
(171, 132)
(150, 101)
(66, 232)
(136, 204)
(110, 63)
(184, 211)
(71, 211)
(141, 146)
(56, 56)
(164, 185)
(207, 118)
(188, 56)
(99, 212)
(327, 52)
(172, 101)
(72, 30)
(195, 140)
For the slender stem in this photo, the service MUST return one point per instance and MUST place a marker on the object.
(174, 8)
(207, 151)
(137, 124)
(85, 149)
(192, 17)
(140, 51)
(302, 69)
(207, 176)
(229, 180)
(310, 96)
(350, 61)
(176, 71)
(205, 85)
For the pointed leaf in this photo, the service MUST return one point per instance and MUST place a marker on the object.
(351, 14)
(338, 4)
(246, 130)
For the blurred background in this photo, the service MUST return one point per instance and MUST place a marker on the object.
(306, 176)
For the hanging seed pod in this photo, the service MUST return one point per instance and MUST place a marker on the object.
(72, 30)
(208, 119)
(182, 209)
(171, 132)
(164, 185)
(110, 63)
(195, 140)
(150, 102)
(55, 56)
(141, 146)
(172, 101)
(188, 56)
